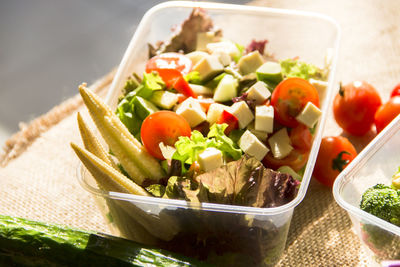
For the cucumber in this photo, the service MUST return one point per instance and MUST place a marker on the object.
(269, 72)
(28, 243)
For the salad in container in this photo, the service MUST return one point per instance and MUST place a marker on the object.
(210, 131)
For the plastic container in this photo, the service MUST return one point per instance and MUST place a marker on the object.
(223, 234)
(376, 163)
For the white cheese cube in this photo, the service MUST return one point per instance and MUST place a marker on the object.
(210, 159)
(191, 110)
(264, 119)
(223, 57)
(262, 136)
(196, 56)
(250, 145)
(214, 112)
(280, 144)
(320, 86)
(258, 92)
(204, 38)
(225, 46)
(242, 111)
(201, 89)
(250, 62)
(309, 115)
(167, 151)
(208, 67)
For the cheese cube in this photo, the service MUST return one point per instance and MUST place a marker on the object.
(250, 145)
(250, 62)
(204, 38)
(280, 144)
(262, 136)
(208, 67)
(258, 92)
(225, 46)
(320, 86)
(214, 112)
(210, 159)
(191, 110)
(196, 56)
(264, 119)
(242, 111)
(223, 57)
(309, 115)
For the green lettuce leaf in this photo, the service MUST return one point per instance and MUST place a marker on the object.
(151, 82)
(223, 142)
(297, 68)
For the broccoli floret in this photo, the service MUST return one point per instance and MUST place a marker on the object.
(382, 201)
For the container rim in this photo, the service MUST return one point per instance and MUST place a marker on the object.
(318, 135)
(354, 166)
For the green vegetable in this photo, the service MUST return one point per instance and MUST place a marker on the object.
(296, 68)
(188, 149)
(193, 77)
(29, 243)
(151, 82)
(396, 180)
(269, 72)
(383, 202)
(241, 51)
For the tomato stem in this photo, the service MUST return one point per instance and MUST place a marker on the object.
(341, 90)
(339, 163)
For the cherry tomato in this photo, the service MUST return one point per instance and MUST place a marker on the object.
(170, 60)
(162, 126)
(301, 137)
(230, 119)
(354, 107)
(289, 99)
(387, 112)
(395, 91)
(174, 79)
(335, 153)
(295, 160)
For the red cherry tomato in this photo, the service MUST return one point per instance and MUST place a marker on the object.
(295, 160)
(301, 138)
(395, 91)
(174, 79)
(335, 153)
(230, 119)
(162, 126)
(289, 99)
(354, 107)
(387, 112)
(170, 60)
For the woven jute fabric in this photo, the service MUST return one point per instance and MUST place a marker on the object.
(38, 177)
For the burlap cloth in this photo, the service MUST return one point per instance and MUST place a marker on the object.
(38, 174)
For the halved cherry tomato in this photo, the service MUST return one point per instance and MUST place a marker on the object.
(395, 91)
(295, 160)
(387, 112)
(289, 99)
(174, 79)
(162, 126)
(230, 119)
(170, 60)
(354, 107)
(335, 153)
(301, 137)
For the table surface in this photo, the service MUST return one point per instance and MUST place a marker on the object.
(39, 182)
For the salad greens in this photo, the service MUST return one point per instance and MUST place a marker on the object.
(297, 68)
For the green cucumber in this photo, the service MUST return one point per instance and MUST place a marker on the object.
(269, 72)
(29, 243)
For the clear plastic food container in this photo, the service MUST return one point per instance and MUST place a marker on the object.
(222, 234)
(375, 164)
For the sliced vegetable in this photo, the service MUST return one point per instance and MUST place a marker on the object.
(300, 69)
(163, 127)
(174, 79)
(230, 120)
(290, 97)
(295, 160)
(395, 91)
